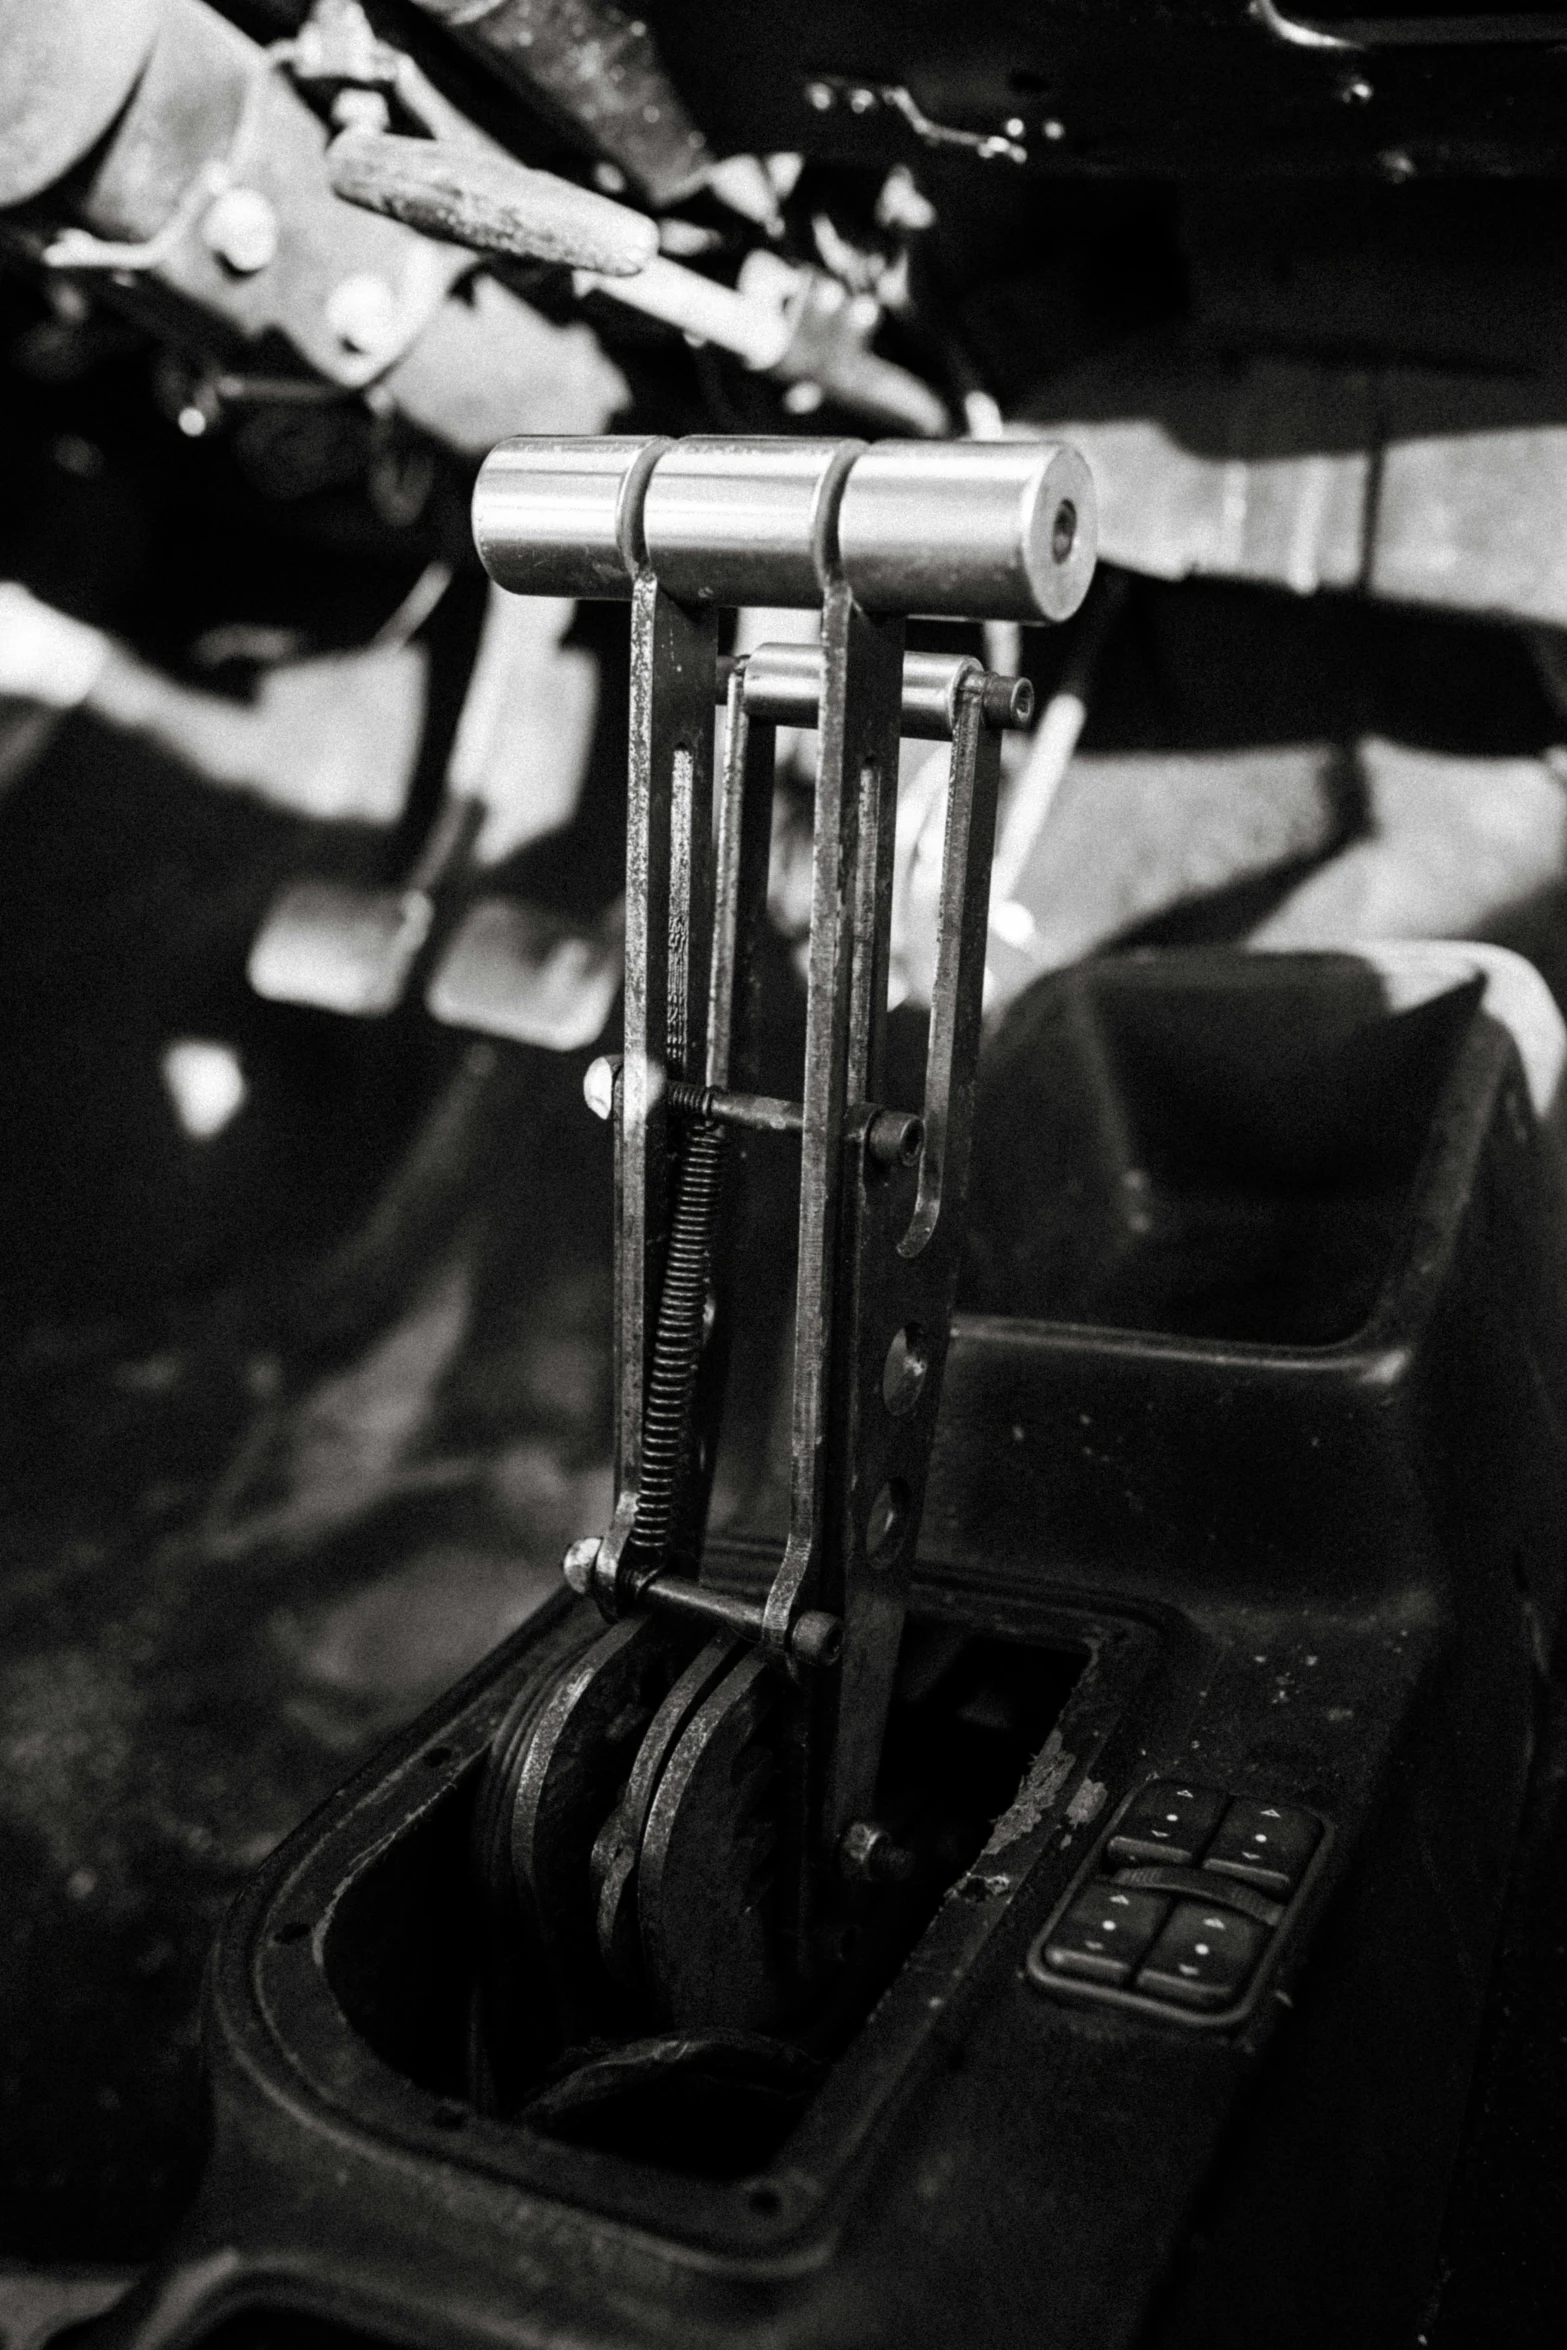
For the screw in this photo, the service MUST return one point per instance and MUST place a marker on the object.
(1354, 90)
(241, 230)
(820, 96)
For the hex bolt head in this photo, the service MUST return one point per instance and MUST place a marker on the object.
(362, 313)
(817, 1638)
(580, 1560)
(1007, 701)
(869, 1853)
(896, 1138)
(241, 230)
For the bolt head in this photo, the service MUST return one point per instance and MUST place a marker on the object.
(896, 1138)
(868, 1852)
(579, 1562)
(817, 1639)
(598, 1084)
(362, 313)
(241, 230)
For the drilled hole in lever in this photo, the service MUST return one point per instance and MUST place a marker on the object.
(903, 1372)
(889, 1515)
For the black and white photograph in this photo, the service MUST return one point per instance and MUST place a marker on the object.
(783, 1175)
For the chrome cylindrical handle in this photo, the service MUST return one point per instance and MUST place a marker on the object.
(747, 521)
(562, 515)
(958, 530)
(969, 530)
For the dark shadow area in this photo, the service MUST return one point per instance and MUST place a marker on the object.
(405, 1951)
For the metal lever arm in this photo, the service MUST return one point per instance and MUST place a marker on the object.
(466, 195)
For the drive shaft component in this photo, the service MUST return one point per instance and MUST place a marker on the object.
(959, 531)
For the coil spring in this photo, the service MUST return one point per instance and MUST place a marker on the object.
(677, 1343)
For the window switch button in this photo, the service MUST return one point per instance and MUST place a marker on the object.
(1168, 1821)
(1105, 1933)
(1264, 1844)
(1204, 1958)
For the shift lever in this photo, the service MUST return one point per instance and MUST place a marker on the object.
(693, 1821)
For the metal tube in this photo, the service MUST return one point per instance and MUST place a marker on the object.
(816, 1638)
(969, 530)
(747, 521)
(782, 687)
(763, 1113)
(561, 515)
(754, 331)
